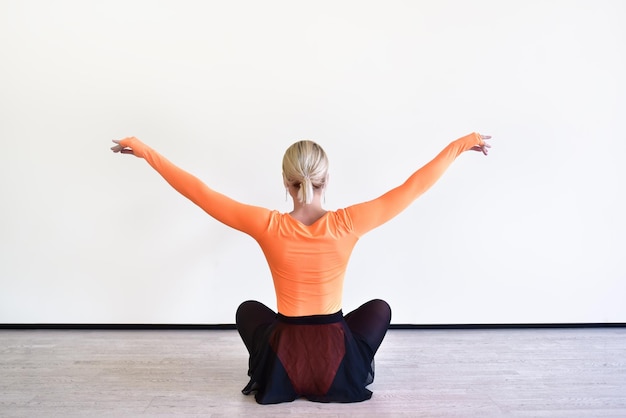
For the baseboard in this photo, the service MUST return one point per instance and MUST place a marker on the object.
(232, 326)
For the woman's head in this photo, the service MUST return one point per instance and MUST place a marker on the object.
(305, 168)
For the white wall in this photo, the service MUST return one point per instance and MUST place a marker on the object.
(533, 233)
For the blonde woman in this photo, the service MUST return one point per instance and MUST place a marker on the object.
(308, 348)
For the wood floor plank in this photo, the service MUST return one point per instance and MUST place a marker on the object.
(431, 373)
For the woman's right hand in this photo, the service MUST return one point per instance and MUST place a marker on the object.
(483, 147)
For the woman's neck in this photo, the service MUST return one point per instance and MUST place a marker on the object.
(307, 214)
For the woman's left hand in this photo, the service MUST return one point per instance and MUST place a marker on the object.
(121, 148)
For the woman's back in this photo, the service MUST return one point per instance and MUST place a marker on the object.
(308, 262)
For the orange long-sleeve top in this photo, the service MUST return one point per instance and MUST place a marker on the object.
(307, 263)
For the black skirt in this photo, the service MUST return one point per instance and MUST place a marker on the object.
(316, 357)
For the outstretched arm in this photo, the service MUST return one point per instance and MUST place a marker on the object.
(249, 219)
(368, 215)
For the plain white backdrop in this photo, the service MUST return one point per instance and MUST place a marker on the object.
(533, 233)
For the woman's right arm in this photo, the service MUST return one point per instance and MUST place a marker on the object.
(246, 218)
(368, 215)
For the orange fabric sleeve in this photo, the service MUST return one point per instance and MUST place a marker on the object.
(252, 220)
(368, 215)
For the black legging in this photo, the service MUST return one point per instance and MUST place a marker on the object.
(369, 321)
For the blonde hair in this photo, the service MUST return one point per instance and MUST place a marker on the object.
(305, 165)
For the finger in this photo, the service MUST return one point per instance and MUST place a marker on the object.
(127, 151)
(479, 148)
(485, 136)
(117, 147)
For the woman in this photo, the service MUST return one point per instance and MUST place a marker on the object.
(308, 348)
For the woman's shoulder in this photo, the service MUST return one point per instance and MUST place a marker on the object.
(339, 218)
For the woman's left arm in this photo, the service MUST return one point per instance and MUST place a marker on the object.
(246, 218)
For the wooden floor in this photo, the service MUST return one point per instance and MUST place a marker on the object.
(430, 373)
